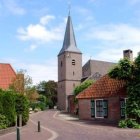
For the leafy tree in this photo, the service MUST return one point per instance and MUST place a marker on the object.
(21, 83)
(49, 89)
(32, 94)
(130, 72)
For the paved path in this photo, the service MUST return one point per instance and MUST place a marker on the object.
(60, 126)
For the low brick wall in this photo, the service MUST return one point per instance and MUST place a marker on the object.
(7, 130)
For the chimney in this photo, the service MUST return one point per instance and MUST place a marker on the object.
(128, 54)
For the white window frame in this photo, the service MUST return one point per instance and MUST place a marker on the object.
(125, 116)
(125, 107)
(95, 108)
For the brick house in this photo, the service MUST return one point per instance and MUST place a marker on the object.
(7, 74)
(104, 99)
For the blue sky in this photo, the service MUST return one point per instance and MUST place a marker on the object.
(32, 32)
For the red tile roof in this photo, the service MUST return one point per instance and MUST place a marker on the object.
(104, 87)
(6, 75)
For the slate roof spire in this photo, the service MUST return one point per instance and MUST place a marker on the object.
(69, 43)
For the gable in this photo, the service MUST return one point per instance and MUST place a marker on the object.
(95, 69)
(6, 75)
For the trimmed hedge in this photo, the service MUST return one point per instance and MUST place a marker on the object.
(22, 107)
(3, 122)
(8, 103)
(11, 105)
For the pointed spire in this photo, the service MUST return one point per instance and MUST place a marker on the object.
(69, 43)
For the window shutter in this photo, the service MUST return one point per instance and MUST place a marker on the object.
(105, 108)
(92, 108)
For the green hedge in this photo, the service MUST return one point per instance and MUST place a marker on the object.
(22, 107)
(3, 122)
(8, 103)
(13, 104)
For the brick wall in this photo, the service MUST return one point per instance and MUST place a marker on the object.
(84, 109)
(113, 108)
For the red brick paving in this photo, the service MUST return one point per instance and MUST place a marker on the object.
(71, 129)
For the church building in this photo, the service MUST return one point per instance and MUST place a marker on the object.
(70, 70)
(69, 66)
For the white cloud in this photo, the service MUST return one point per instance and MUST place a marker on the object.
(44, 20)
(38, 72)
(13, 7)
(123, 33)
(113, 39)
(42, 32)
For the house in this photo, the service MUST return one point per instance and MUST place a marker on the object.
(7, 74)
(104, 99)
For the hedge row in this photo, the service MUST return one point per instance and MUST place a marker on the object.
(11, 105)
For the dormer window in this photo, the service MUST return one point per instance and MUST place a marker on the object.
(73, 62)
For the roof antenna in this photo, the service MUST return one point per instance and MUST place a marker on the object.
(69, 6)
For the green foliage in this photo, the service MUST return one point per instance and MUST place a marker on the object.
(3, 122)
(49, 89)
(129, 123)
(122, 71)
(41, 105)
(49, 103)
(22, 107)
(38, 105)
(130, 72)
(12, 104)
(1, 106)
(8, 103)
(122, 124)
(82, 86)
(42, 98)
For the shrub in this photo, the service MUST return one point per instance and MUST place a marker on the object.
(3, 122)
(122, 124)
(8, 103)
(49, 103)
(42, 106)
(22, 107)
(42, 98)
(130, 123)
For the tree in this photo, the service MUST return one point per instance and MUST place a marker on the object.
(32, 94)
(21, 82)
(49, 89)
(130, 72)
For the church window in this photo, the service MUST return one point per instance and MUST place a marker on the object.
(73, 73)
(74, 85)
(73, 62)
(61, 64)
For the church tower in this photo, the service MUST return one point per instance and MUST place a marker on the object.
(69, 66)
